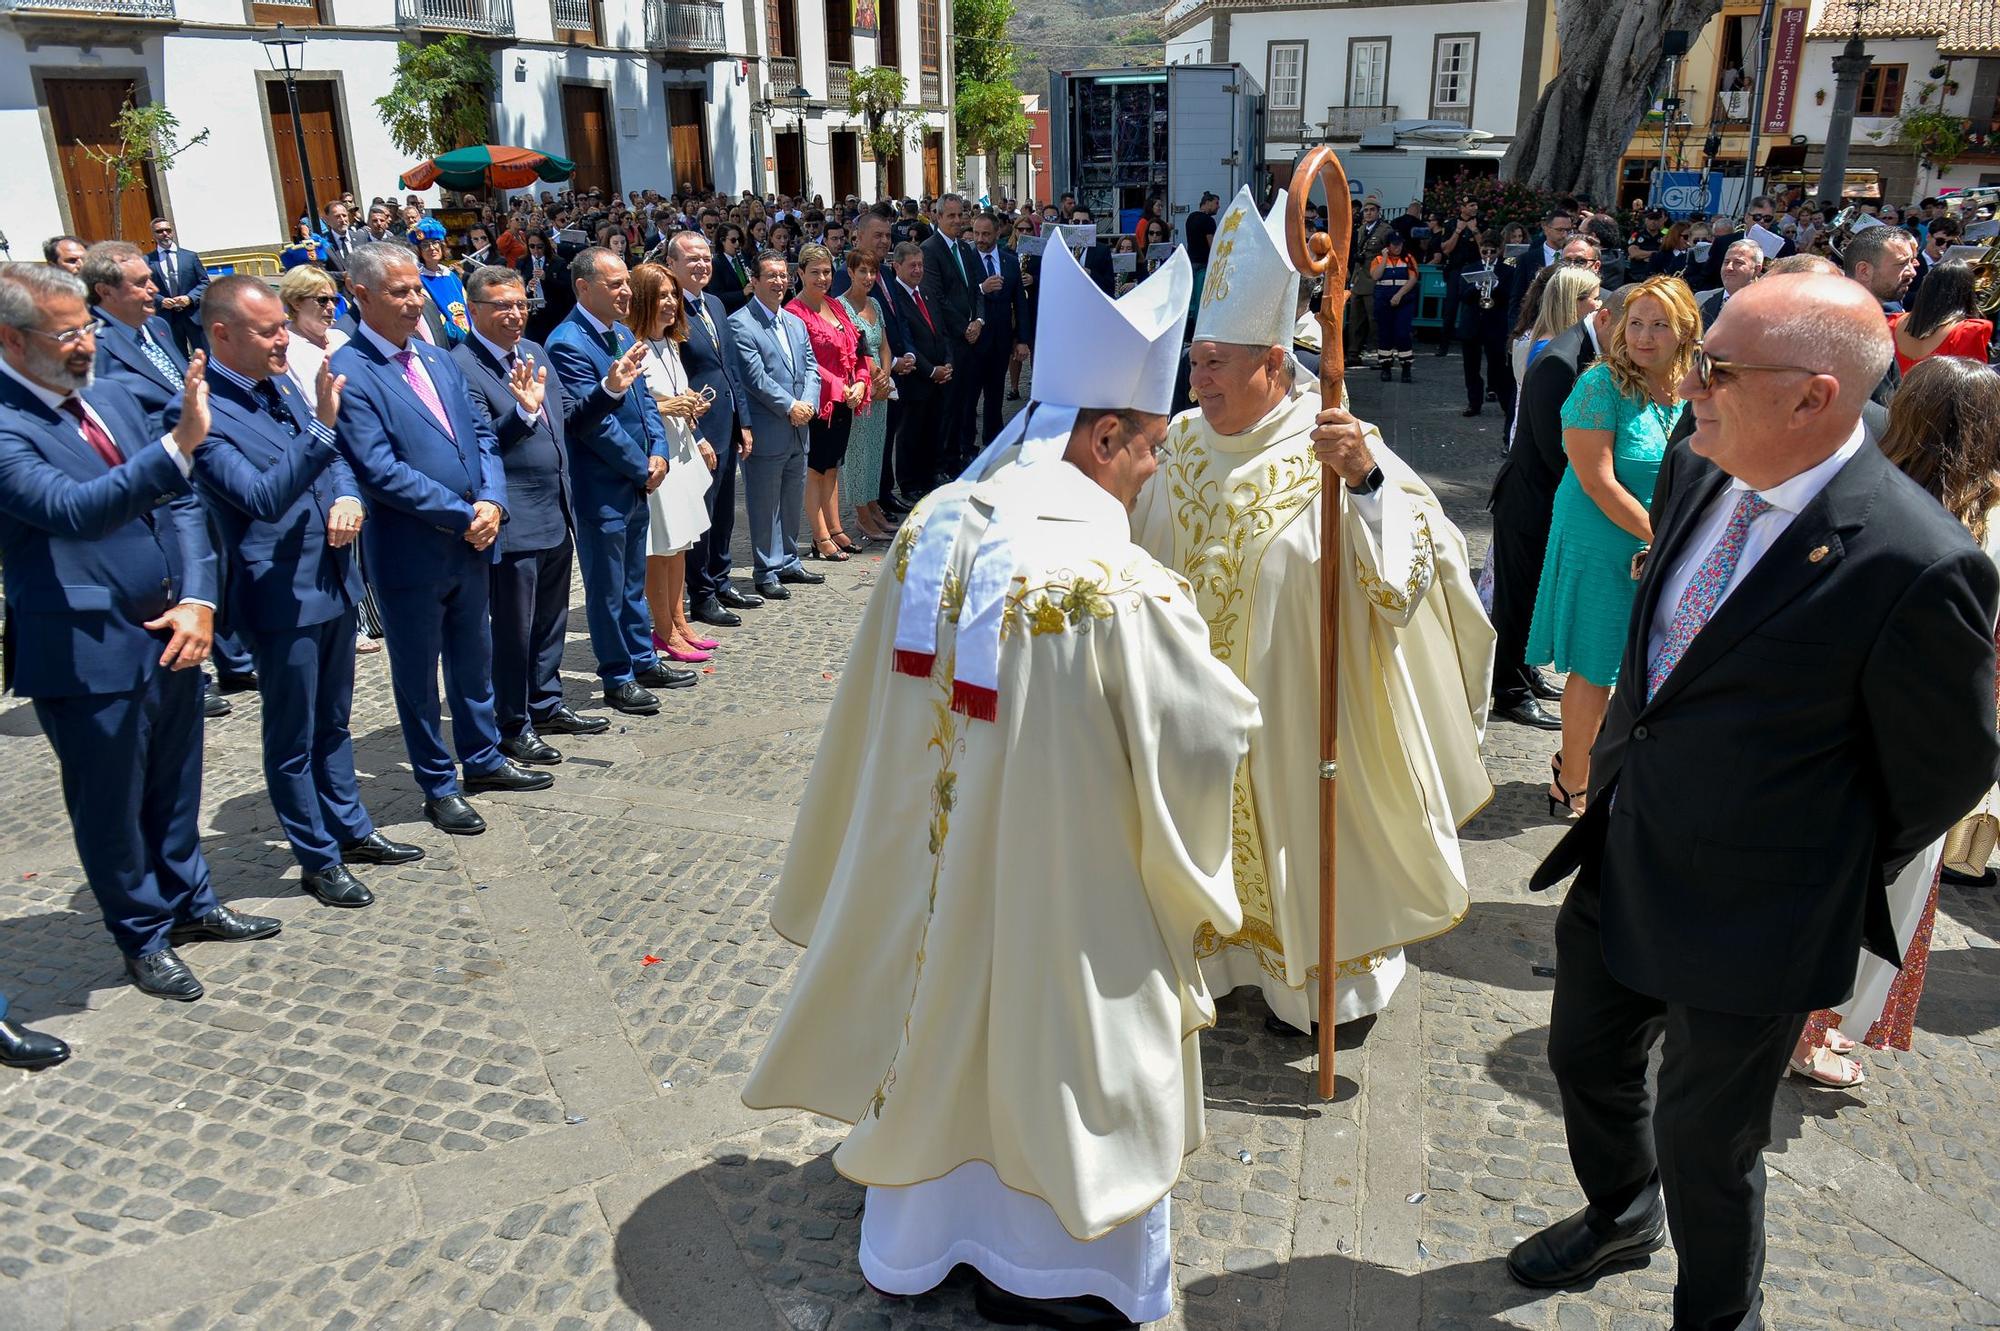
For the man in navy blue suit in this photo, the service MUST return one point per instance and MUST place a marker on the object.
(530, 584)
(136, 350)
(617, 456)
(710, 360)
(428, 465)
(182, 279)
(110, 590)
(1004, 306)
(288, 510)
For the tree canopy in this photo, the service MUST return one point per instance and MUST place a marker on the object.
(438, 100)
(986, 104)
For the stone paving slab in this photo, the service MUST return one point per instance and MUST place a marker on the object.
(477, 1105)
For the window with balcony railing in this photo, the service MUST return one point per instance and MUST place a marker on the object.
(576, 19)
(1349, 122)
(929, 35)
(1284, 122)
(781, 29)
(1453, 62)
(837, 74)
(930, 85)
(111, 9)
(481, 18)
(684, 25)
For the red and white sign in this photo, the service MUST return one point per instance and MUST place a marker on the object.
(1786, 50)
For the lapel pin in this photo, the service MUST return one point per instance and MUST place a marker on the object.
(1819, 553)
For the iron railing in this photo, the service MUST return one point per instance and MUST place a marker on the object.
(930, 86)
(781, 75)
(836, 82)
(573, 16)
(1348, 122)
(135, 9)
(481, 18)
(683, 25)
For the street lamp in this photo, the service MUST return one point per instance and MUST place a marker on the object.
(801, 96)
(286, 51)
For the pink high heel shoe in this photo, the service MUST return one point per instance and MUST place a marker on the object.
(685, 658)
(702, 644)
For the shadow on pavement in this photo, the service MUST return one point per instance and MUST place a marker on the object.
(691, 1256)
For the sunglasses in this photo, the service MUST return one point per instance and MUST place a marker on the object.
(325, 302)
(1708, 371)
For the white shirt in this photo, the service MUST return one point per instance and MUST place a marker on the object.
(54, 402)
(506, 359)
(599, 327)
(1787, 500)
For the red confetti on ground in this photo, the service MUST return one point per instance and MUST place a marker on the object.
(708, 670)
(826, 676)
(652, 960)
(26, 876)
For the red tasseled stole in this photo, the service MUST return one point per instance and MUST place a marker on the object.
(915, 664)
(974, 700)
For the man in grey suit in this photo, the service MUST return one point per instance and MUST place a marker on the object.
(781, 380)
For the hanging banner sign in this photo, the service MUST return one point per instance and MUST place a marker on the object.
(1788, 47)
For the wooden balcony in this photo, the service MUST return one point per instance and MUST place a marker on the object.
(837, 74)
(574, 20)
(930, 86)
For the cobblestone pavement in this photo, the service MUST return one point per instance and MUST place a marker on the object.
(483, 1103)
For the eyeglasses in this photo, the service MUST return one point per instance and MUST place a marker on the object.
(1581, 261)
(505, 306)
(70, 337)
(1707, 369)
(324, 302)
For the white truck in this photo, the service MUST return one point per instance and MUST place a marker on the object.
(1119, 137)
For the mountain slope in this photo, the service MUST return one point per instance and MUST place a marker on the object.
(1078, 34)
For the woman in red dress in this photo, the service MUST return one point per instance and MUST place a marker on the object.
(1943, 319)
(844, 388)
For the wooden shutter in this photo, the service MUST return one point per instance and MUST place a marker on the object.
(81, 112)
(319, 117)
(587, 130)
(688, 137)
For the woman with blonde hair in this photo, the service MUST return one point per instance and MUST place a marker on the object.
(1615, 428)
(678, 508)
(1571, 295)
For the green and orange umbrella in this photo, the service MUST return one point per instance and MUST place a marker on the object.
(487, 166)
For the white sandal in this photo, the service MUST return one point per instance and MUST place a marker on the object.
(1827, 1068)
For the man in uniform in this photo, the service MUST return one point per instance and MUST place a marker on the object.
(1235, 508)
(1002, 995)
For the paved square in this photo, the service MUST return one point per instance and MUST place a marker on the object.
(478, 1105)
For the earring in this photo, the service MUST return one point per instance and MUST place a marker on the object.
(1192, 398)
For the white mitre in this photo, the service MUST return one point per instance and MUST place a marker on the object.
(1091, 353)
(1251, 295)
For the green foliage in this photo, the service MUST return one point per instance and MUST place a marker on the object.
(438, 101)
(986, 105)
(877, 96)
(148, 138)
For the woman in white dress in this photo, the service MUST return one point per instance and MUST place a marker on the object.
(679, 506)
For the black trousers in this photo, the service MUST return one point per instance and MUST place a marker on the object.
(1701, 1145)
(1520, 541)
(530, 605)
(708, 557)
(988, 385)
(1499, 375)
(919, 451)
(885, 483)
(961, 411)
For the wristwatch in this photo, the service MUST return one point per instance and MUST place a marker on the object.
(1369, 483)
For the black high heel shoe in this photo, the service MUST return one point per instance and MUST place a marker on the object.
(1568, 801)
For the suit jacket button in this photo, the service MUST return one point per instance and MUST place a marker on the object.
(1640, 732)
(467, 496)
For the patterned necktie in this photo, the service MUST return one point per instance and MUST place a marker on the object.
(161, 361)
(701, 311)
(1704, 591)
(93, 433)
(425, 393)
(167, 266)
(274, 402)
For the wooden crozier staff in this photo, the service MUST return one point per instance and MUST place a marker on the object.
(1324, 255)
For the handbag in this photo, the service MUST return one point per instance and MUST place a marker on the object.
(1972, 839)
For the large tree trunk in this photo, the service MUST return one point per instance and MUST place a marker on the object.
(1609, 70)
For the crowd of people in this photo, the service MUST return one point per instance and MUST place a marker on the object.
(1797, 467)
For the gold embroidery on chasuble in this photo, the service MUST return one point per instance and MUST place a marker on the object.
(1223, 529)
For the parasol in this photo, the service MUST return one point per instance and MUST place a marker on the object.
(487, 166)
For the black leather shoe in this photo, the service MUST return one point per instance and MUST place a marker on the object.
(562, 721)
(227, 926)
(802, 577)
(1543, 687)
(246, 683)
(528, 747)
(771, 590)
(663, 676)
(378, 849)
(1531, 713)
(337, 887)
(507, 777)
(738, 600)
(1569, 1252)
(23, 1048)
(452, 814)
(164, 975)
(710, 610)
(1278, 1026)
(214, 704)
(630, 699)
(1087, 1313)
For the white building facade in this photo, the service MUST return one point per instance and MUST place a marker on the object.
(642, 94)
(1335, 72)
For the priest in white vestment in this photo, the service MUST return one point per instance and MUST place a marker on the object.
(1235, 507)
(1017, 823)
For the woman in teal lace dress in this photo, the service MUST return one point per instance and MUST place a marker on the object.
(1615, 428)
(871, 423)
